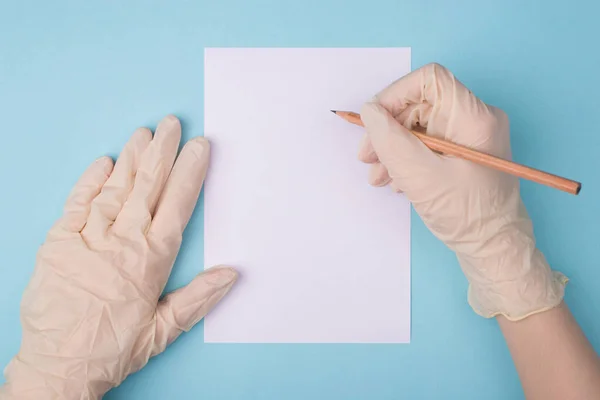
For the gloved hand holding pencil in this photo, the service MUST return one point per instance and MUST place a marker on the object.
(476, 211)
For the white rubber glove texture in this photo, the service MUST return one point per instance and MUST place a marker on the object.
(476, 211)
(91, 314)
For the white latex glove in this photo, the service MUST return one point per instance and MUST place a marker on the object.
(476, 211)
(91, 314)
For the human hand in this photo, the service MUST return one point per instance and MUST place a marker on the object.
(91, 314)
(476, 211)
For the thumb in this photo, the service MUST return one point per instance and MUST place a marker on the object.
(405, 157)
(180, 310)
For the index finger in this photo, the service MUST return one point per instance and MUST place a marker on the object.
(181, 193)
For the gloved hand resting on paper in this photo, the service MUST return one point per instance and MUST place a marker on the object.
(91, 314)
(476, 211)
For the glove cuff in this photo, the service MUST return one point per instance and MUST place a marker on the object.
(514, 287)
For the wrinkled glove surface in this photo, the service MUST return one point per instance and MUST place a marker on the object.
(91, 314)
(476, 211)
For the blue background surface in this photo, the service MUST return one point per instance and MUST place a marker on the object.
(76, 78)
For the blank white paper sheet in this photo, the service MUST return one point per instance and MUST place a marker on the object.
(323, 257)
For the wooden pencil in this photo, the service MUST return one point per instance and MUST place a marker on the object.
(509, 167)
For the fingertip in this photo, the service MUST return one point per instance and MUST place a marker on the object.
(200, 147)
(230, 274)
(105, 163)
(372, 114)
(366, 152)
(103, 160)
(201, 139)
(169, 124)
(222, 275)
(378, 175)
(171, 119)
(142, 134)
(367, 108)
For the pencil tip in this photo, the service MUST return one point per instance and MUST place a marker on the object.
(333, 111)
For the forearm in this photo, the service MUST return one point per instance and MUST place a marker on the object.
(553, 357)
